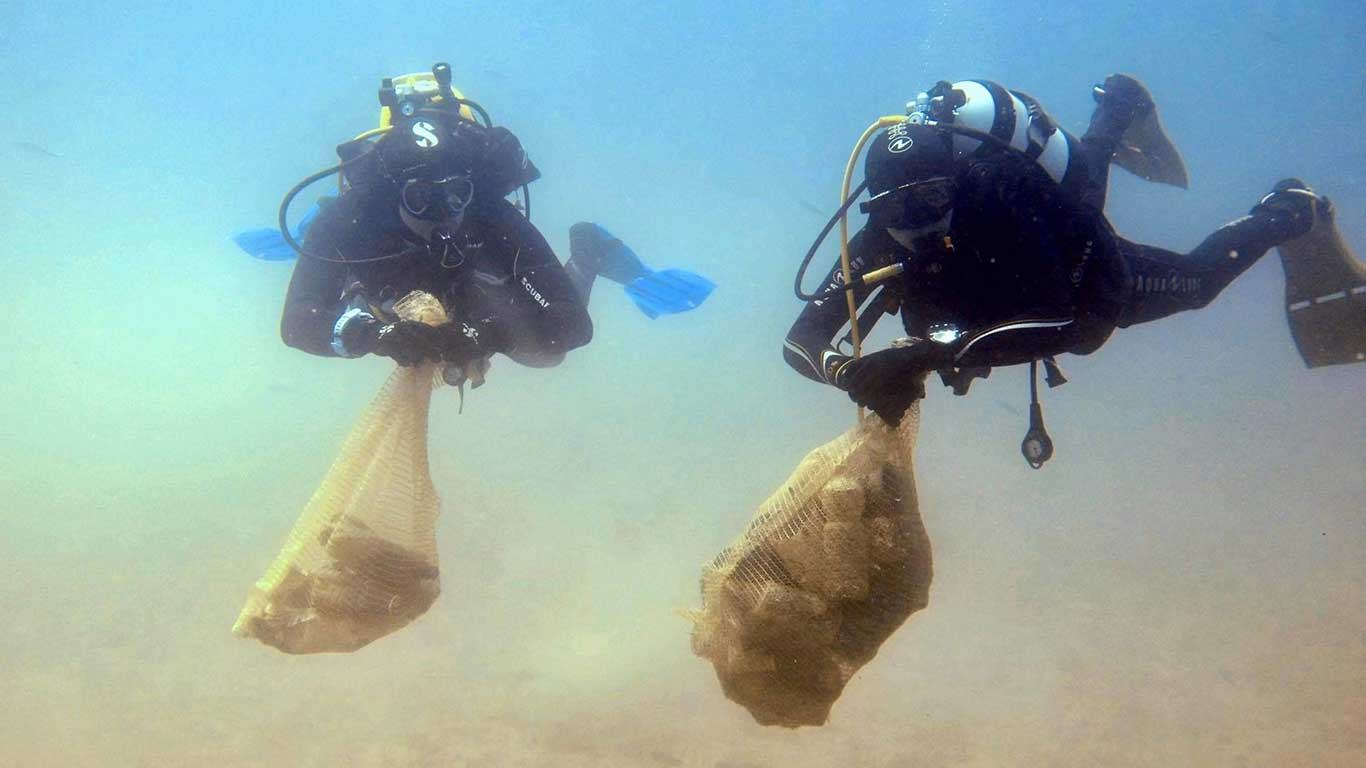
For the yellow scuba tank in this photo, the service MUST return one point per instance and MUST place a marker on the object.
(411, 92)
(417, 89)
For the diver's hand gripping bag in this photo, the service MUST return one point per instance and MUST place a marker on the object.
(829, 567)
(361, 561)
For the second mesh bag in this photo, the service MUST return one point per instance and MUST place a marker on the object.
(361, 561)
(829, 567)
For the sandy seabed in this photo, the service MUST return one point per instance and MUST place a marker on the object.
(115, 662)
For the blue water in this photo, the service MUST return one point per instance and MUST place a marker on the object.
(1183, 584)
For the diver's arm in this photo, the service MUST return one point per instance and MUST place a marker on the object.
(314, 303)
(810, 346)
(563, 324)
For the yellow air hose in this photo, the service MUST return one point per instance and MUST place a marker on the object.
(372, 132)
(879, 124)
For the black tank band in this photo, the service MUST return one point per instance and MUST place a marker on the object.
(1003, 124)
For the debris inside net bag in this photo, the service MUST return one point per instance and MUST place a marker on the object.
(829, 567)
(361, 561)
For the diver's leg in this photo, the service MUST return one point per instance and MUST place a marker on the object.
(582, 264)
(535, 313)
(1118, 102)
(1164, 283)
(592, 252)
(1125, 130)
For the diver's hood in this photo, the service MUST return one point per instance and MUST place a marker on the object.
(429, 145)
(436, 144)
(907, 153)
(910, 170)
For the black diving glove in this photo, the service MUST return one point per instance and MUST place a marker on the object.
(407, 342)
(1124, 97)
(411, 343)
(465, 342)
(887, 382)
(1293, 208)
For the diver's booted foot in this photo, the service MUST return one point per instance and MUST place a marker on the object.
(1120, 99)
(1126, 114)
(1295, 207)
(593, 250)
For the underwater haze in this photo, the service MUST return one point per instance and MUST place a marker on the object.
(1183, 584)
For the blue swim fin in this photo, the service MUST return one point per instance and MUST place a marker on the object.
(669, 291)
(264, 244)
(594, 252)
(268, 244)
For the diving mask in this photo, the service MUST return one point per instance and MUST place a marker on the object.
(437, 200)
(911, 206)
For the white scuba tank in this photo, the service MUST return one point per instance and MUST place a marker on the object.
(1010, 116)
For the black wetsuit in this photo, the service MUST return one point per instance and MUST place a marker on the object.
(1034, 269)
(499, 276)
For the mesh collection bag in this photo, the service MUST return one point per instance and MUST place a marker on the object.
(828, 568)
(361, 560)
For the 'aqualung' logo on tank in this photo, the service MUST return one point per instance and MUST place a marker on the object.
(426, 134)
(897, 140)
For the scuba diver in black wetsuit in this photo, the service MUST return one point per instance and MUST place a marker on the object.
(988, 218)
(424, 207)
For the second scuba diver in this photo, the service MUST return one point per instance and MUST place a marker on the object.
(992, 217)
(423, 206)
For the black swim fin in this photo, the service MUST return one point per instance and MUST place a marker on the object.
(1144, 148)
(1325, 293)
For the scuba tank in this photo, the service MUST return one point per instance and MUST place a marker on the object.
(1014, 118)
